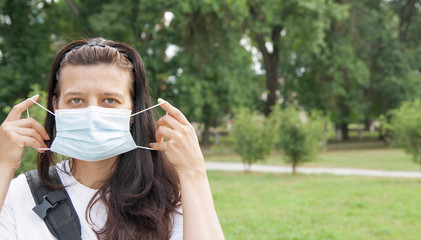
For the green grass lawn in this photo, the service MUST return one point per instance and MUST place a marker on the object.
(382, 159)
(309, 207)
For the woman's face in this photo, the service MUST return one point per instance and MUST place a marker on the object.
(102, 85)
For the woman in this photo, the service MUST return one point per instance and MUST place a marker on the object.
(120, 189)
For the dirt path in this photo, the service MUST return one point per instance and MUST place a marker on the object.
(312, 170)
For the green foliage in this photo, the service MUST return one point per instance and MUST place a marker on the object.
(29, 156)
(353, 60)
(405, 123)
(201, 72)
(211, 69)
(364, 68)
(252, 136)
(299, 136)
(287, 34)
(25, 52)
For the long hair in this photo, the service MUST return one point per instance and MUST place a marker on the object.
(143, 190)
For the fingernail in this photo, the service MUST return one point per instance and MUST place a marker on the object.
(35, 96)
(161, 100)
(150, 144)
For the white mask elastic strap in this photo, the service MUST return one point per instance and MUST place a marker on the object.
(41, 106)
(154, 106)
(45, 149)
(147, 148)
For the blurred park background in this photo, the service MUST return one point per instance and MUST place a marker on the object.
(300, 83)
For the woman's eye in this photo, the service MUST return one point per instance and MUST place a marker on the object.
(76, 100)
(110, 100)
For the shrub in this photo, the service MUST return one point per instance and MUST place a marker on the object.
(252, 137)
(299, 136)
(405, 127)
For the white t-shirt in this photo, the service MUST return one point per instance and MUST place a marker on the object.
(18, 221)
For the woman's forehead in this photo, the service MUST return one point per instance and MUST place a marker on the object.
(104, 77)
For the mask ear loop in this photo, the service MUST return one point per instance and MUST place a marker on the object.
(144, 110)
(27, 112)
(42, 107)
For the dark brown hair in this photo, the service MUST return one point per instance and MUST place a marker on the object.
(143, 190)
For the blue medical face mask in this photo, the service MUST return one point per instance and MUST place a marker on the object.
(93, 133)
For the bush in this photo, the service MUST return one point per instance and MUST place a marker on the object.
(405, 127)
(299, 136)
(252, 137)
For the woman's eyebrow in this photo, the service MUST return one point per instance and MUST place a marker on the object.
(73, 93)
(117, 94)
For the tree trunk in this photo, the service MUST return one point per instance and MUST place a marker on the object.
(206, 134)
(338, 132)
(271, 62)
(294, 168)
(344, 114)
(367, 124)
(345, 131)
(271, 84)
(247, 167)
(216, 134)
(381, 136)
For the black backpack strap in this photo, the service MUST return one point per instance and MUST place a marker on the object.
(54, 206)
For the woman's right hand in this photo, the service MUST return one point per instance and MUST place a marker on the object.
(16, 133)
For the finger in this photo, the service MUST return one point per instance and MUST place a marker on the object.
(31, 142)
(18, 109)
(32, 123)
(166, 132)
(29, 132)
(159, 146)
(174, 112)
(168, 121)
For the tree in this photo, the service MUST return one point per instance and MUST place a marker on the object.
(298, 136)
(213, 72)
(335, 79)
(282, 30)
(252, 136)
(390, 55)
(25, 53)
(362, 71)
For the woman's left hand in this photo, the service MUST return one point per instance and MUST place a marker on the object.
(183, 151)
(182, 146)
